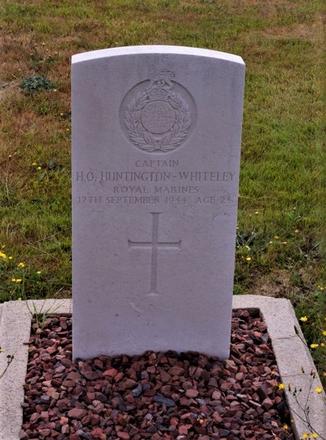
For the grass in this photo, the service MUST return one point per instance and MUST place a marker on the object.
(281, 216)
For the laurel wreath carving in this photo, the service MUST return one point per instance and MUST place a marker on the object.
(148, 141)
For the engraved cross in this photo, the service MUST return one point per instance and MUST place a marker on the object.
(154, 245)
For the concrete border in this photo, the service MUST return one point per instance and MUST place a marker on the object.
(292, 355)
(15, 329)
(293, 359)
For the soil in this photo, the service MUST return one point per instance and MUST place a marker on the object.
(155, 395)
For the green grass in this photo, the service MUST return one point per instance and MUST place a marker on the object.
(281, 188)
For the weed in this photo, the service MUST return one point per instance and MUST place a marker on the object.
(10, 358)
(34, 84)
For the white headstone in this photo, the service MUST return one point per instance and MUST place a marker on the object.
(156, 150)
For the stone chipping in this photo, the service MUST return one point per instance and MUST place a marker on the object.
(156, 395)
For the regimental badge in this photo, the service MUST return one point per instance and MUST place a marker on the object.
(157, 115)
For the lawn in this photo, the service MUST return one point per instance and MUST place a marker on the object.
(280, 228)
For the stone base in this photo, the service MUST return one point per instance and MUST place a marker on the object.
(292, 355)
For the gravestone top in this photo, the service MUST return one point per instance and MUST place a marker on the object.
(155, 49)
(156, 136)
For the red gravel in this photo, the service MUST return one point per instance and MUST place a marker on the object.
(155, 395)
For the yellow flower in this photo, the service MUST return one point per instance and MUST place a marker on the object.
(271, 242)
(296, 231)
(248, 258)
(322, 344)
(314, 435)
(39, 168)
(10, 258)
(34, 164)
(16, 280)
(276, 237)
(314, 345)
(256, 212)
(19, 299)
(21, 264)
(39, 272)
(305, 435)
(281, 386)
(284, 242)
(3, 255)
(304, 318)
(285, 427)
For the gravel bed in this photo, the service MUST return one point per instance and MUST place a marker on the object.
(155, 395)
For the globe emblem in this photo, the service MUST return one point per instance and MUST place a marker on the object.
(158, 117)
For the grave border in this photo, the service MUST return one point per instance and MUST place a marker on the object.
(278, 313)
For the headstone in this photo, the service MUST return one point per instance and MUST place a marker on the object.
(156, 150)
